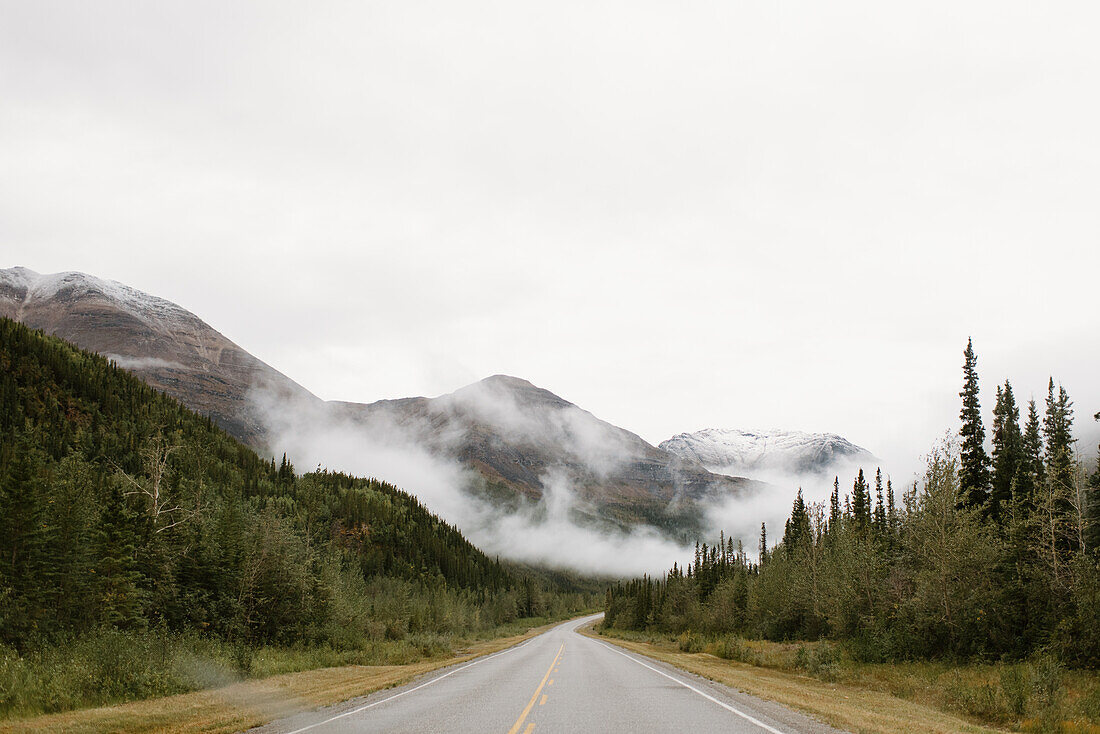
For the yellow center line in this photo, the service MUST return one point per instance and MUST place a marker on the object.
(527, 710)
(530, 728)
(543, 699)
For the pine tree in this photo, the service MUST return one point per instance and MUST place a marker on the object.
(763, 543)
(1032, 471)
(798, 526)
(834, 506)
(20, 542)
(1008, 452)
(973, 460)
(1058, 433)
(861, 502)
(879, 520)
(891, 508)
(116, 568)
(1093, 535)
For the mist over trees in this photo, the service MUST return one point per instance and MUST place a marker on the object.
(120, 509)
(987, 556)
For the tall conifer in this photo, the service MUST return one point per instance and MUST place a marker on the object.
(1008, 452)
(834, 506)
(1058, 434)
(861, 502)
(973, 460)
(879, 519)
(798, 526)
(1031, 469)
(891, 507)
(1093, 535)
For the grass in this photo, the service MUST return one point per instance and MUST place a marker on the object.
(283, 681)
(820, 679)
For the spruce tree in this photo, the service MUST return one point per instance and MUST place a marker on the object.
(861, 502)
(116, 566)
(798, 526)
(879, 520)
(1093, 534)
(891, 508)
(1031, 468)
(973, 460)
(1008, 452)
(20, 542)
(834, 506)
(1058, 434)
(763, 543)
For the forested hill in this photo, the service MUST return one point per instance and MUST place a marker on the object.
(120, 507)
(989, 556)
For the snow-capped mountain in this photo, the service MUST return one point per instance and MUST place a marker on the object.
(164, 344)
(514, 435)
(744, 453)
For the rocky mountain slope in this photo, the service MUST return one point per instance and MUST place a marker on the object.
(522, 438)
(739, 452)
(517, 438)
(165, 345)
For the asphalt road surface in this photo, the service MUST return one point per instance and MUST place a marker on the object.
(559, 681)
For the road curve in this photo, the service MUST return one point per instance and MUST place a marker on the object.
(559, 681)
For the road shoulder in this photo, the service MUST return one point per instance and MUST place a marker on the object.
(844, 707)
(253, 703)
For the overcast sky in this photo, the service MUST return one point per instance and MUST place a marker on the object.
(677, 215)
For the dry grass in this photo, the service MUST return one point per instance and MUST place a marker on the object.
(251, 703)
(857, 708)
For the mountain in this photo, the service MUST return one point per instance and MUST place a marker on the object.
(164, 344)
(516, 440)
(733, 451)
(525, 441)
(151, 516)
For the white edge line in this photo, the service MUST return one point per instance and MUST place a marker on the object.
(428, 683)
(707, 696)
(411, 690)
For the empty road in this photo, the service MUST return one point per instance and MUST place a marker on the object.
(559, 681)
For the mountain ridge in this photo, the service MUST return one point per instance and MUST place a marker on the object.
(516, 436)
(739, 450)
(166, 345)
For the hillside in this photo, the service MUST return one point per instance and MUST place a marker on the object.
(520, 438)
(512, 437)
(121, 507)
(164, 344)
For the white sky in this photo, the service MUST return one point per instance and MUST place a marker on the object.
(677, 215)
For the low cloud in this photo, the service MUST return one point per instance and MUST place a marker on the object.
(415, 447)
(740, 517)
(548, 534)
(143, 363)
(413, 455)
(597, 446)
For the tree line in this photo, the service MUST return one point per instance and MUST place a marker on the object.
(121, 509)
(990, 554)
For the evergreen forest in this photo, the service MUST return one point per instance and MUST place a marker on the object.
(127, 520)
(991, 556)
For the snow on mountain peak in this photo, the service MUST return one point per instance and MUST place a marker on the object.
(30, 286)
(743, 452)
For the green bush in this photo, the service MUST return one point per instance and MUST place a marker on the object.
(732, 647)
(690, 642)
(1016, 688)
(822, 660)
(982, 700)
(1048, 688)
